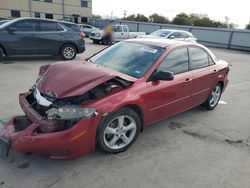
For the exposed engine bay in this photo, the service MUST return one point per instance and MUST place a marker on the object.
(62, 114)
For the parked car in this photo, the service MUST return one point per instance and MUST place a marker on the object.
(87, 29)
(121, 32)
(172, 34)
(3, 21)
(26, 36)
(109, 98)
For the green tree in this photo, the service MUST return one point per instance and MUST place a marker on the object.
(182, 19)
(96, 16)
(138, 18)
(156, 18)
(248, 26)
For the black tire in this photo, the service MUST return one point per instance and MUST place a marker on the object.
(104, 41)
(68, 52)
(96, 41)
(1, 54)
(208, 104)
(106, 121)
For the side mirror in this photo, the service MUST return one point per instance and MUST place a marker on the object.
(172, 37)
(162, 75)
(11, 29)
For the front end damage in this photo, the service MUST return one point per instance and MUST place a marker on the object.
(58, 128)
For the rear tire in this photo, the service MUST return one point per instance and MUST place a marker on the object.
(68, 52)
(96, 41)
(118, 131)
(213, 98)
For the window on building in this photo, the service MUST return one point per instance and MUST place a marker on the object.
(84, 3)
(26, 25)
(48, 1)
(15, 13)
(84, 19)
(37, 15)
(49, 16)
(199, 58)
(176, 61)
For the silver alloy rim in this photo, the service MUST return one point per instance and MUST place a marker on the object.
(120, 132)
(215, 96)
(68, 52)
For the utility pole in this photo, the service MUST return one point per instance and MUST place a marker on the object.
(111, 15)
(124, 14)
(30, 8)
(63, 11)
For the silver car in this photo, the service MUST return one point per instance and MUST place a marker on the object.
(172, 34)
(87, 29)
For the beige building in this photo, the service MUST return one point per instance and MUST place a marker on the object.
(75, 10)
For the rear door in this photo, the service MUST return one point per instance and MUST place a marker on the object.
(50, 37)
(24, 39)
(165, 98)
(204, 71)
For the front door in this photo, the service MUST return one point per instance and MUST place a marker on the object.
(166, 98)
(23, 40)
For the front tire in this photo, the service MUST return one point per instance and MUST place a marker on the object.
(118, 131)
(68, 52)
(214, 97)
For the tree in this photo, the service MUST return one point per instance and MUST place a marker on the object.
(156, 18)
(182, 19)
(96, 16)
(138, 18)
(248, 26)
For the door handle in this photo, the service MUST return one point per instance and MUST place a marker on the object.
(121, 33)
(214, 71)
(188, 80)
(34, 35)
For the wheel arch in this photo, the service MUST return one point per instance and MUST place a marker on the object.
(4, 49)
(71, 43)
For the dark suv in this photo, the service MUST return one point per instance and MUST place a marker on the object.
(26, 36)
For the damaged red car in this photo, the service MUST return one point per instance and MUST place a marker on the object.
(106, 100)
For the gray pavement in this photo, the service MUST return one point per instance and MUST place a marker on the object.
(197, 148)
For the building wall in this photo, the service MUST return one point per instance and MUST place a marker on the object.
(27, 8)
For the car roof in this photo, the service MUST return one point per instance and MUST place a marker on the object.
(58, 21)
(159, 42)
(174, 30)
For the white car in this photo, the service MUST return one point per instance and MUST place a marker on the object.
(121, 32)
(172, 34)
(87, 29)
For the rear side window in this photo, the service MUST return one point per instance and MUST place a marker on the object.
(199, 58)
(50, 26)
(72, 27)
(176, 61)
(26, 25)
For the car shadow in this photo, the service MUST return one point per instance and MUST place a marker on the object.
(10, 60)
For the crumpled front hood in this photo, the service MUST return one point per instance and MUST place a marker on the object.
(66, 79)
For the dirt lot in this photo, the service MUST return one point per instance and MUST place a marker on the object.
(194, 149)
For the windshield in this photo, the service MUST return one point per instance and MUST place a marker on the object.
(129, 58)
(160, 33)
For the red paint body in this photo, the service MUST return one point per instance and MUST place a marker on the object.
(156, 99)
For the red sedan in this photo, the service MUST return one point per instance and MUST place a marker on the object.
(106, 100)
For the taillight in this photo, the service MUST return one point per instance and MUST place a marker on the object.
(82, 35)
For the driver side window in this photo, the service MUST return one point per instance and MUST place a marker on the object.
(118, 28)
(176, 61)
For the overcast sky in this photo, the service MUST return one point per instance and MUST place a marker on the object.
(238, 11)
